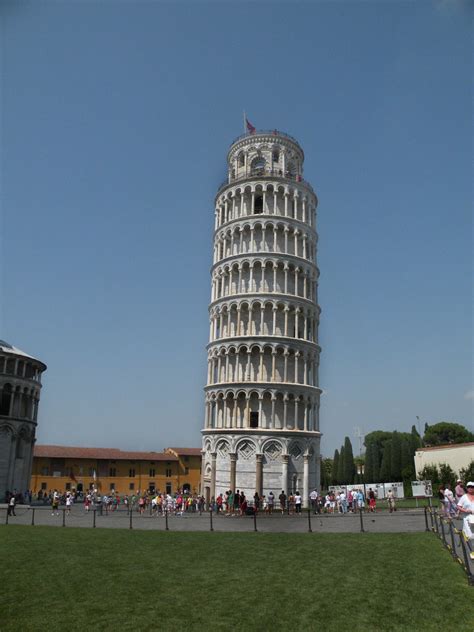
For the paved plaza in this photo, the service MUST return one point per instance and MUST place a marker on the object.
(402, 521)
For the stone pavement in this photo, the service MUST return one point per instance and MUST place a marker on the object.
(402, 521)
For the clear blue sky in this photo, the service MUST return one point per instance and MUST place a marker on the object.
(116, 119)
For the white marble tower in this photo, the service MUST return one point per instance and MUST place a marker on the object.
(261, 430)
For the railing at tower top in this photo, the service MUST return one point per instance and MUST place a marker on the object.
(271, 132)
(264, 173)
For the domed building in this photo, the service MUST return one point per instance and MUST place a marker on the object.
(261, 430)
(20, 386)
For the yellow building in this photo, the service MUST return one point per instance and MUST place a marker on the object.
(189, 465)
(108, 469)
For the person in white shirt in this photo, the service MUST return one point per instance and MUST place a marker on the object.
(449, 501)
(343, 502)
(314, 500)
(466, 510)
(298, 503)
(466, 502)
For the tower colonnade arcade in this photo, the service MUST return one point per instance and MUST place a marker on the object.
(260, 317)
(266, 236)
(267, 198)
(266, 462)
(261, 426)
(20, 386)
(264, 276)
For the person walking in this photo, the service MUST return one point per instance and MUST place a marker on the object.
(11, 506)
(55, 503)
(270, 502)
(451, 508)
(68, 503)
(459, 490)
(282, 499)
(298, 501)
(391, 500)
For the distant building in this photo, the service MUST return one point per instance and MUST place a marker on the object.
(457, 455)
(20, 386)
(190, 466)
(108, 469)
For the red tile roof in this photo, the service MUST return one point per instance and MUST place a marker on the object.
(186, 451)
(112, 454)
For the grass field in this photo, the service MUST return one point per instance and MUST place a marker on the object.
(84, 579)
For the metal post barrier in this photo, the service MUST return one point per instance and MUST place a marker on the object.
(6, 516)
(453, 543)
(131, 519)
(309, 520)
(436, 527)
(93, 521)
(431, 519)
(64, 517)
(443, 534)
(288, 506)
(33, 517)
(470, 576)
(210, 516)
(254, 519)
(362, 530)
(166, 521)
(426, 519)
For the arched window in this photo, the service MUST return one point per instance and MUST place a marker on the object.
(241, 160)
(275, 156)
(257, 167)
(258, 205)
(5, 400)
(291, 168)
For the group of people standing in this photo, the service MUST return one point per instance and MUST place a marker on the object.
(235, 503)
(454, 504)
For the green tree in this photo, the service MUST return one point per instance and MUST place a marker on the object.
(415, 436)
(335, 468)
(380, 437)
(349, 465)
(376, 461)
(359, 463)
(369, 465)
(467, 473)
(326, 473)
(340, 466)
(386, 466)
(407, 460)
(447, 432)
(396, 457)
(447, 475)
(431, 473)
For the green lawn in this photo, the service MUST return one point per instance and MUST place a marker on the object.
(84, 579)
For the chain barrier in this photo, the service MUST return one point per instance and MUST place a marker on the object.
(460, 546)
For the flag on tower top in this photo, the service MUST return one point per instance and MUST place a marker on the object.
(250, 128)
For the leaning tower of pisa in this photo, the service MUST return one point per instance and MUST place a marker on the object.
(261, 429)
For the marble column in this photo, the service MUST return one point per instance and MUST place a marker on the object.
(259, 474)
(233, 463)
(284, 472)
(305, 480)
(213, 474)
